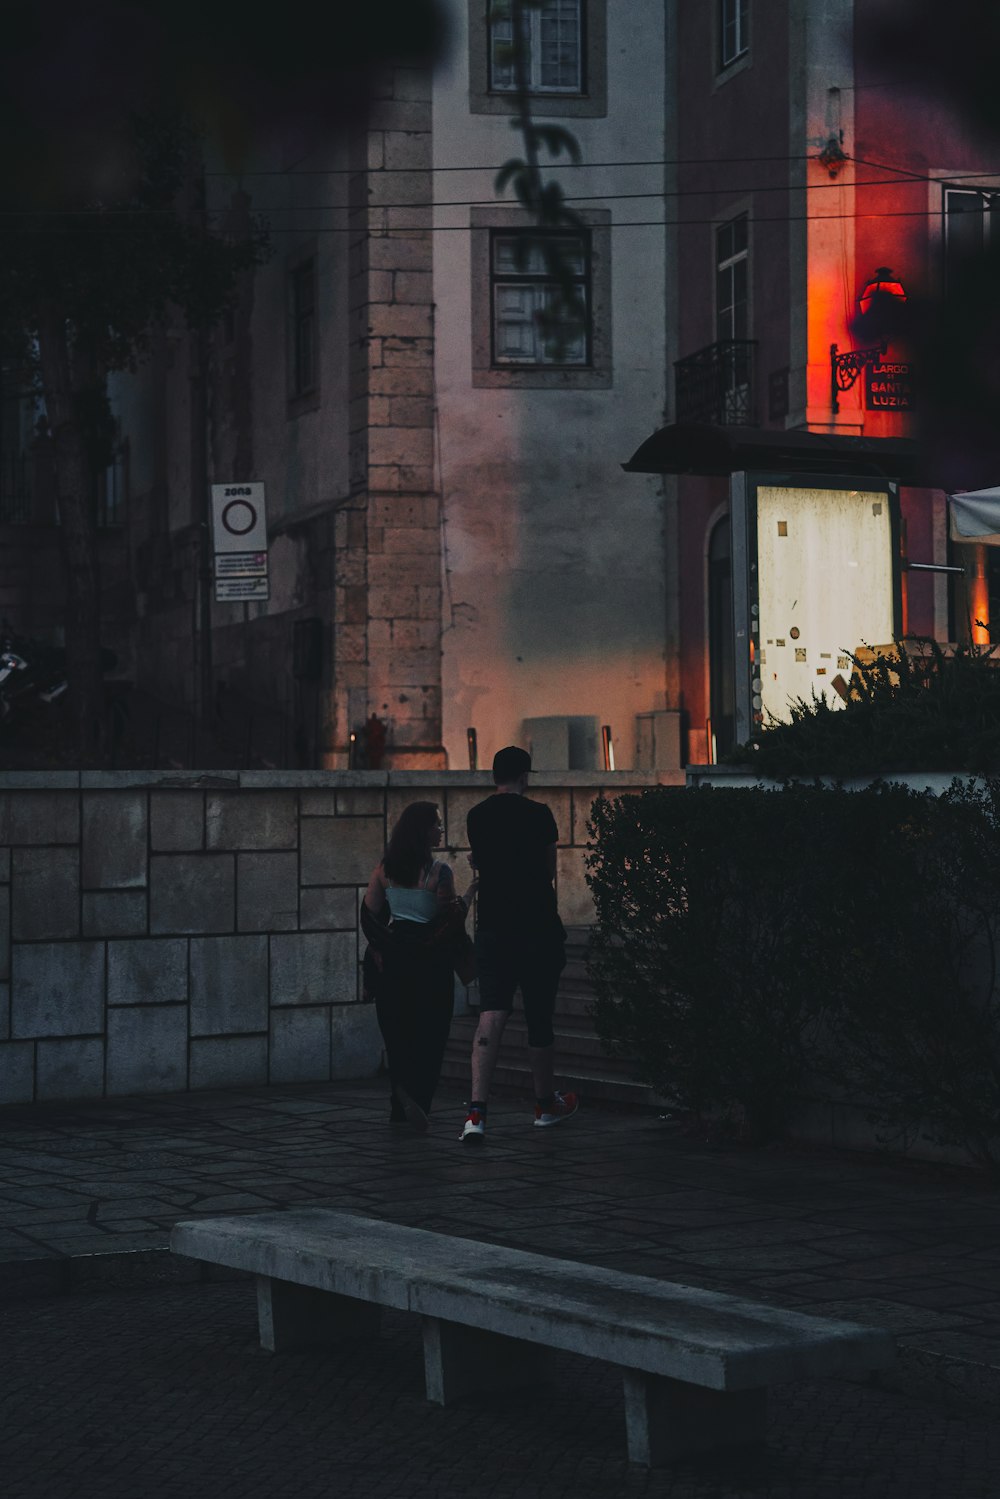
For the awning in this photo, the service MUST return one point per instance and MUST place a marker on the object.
(975, 516)
(697, 448)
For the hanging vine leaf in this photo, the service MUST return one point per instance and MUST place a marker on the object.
(560, 319)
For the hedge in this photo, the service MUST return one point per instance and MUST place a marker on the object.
(750, 941)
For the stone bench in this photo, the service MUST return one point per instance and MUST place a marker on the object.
(697, 1364)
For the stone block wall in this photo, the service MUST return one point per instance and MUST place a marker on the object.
(170, 931)
(387, 597)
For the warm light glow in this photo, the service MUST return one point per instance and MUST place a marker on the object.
(883, 283)
(979, 599)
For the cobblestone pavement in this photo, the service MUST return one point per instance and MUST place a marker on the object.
(142, 1394)
(144, 1389)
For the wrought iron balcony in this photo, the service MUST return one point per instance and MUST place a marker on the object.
(717, 384)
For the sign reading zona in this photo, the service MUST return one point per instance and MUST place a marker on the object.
(239, 518)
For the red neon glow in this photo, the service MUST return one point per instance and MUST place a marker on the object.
(882, 284)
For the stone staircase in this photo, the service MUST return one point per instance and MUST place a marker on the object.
(581, 1062)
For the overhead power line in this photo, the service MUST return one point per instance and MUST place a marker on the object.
(389, 231)
(903, 175)
(556, 164)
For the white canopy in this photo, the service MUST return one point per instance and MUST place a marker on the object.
(975, 516)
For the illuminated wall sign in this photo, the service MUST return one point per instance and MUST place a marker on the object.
(889, 385)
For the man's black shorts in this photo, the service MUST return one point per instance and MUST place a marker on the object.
(531, 962)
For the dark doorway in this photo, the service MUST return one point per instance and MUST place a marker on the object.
(721, 683)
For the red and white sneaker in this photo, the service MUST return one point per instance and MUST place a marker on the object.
(563, 1106)
(474, 1129)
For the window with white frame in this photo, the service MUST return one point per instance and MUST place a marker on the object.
(552, 37)
(971, 223)
(531, 323)
(732, 266)
(734, 30)
(732, 313)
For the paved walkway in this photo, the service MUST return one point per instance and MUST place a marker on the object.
(88, 1193)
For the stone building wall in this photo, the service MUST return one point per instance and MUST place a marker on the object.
(162, 932)
(387, 613)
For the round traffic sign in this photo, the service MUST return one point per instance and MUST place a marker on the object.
(239, 517)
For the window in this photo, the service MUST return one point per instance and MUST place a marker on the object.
(565, 44)
(731, 266)
(523, 335)
(553, 45)
(732, 315)
(110, 491)
(734, 30)
(531, 325)
(971, 223)
(303, 364)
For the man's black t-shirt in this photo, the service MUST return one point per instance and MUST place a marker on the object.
(510, 837)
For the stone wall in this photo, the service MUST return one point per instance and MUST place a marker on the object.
(170, 931)
(387, 597)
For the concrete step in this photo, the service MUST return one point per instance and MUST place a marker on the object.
(511, 1079)
(581, 1062)
(574, 1048)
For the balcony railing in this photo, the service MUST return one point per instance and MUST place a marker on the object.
(717, 384)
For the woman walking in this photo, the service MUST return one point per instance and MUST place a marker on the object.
(415, 925)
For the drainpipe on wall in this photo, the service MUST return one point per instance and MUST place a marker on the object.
(200, 499)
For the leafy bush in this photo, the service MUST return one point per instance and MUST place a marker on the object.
(914, 1010)
(748, 941)
(709, 917)
(925, 710)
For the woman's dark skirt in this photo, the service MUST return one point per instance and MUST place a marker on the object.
(414, 1002)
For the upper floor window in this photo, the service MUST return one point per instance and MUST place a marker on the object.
(732, 320)
(531, 324)
(971, 223)
(734, 30)
(732, 265)
(541, 301)
(552, 39)
(564, 47)
(303, 362)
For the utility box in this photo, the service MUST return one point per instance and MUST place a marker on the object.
(566, 743)
(658, 740)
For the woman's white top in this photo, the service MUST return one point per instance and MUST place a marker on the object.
(417, 902)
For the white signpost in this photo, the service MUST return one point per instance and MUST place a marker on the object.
(239, 530)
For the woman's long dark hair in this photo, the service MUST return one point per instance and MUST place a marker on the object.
(409, 849)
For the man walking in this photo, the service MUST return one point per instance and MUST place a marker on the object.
(520, 941)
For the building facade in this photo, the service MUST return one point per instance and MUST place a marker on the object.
(453, 546)
(803, 174)
(456, 558)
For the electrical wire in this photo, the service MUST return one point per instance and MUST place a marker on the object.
(109, 215)
(607, 197)
(652, 161)
(390, 231)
